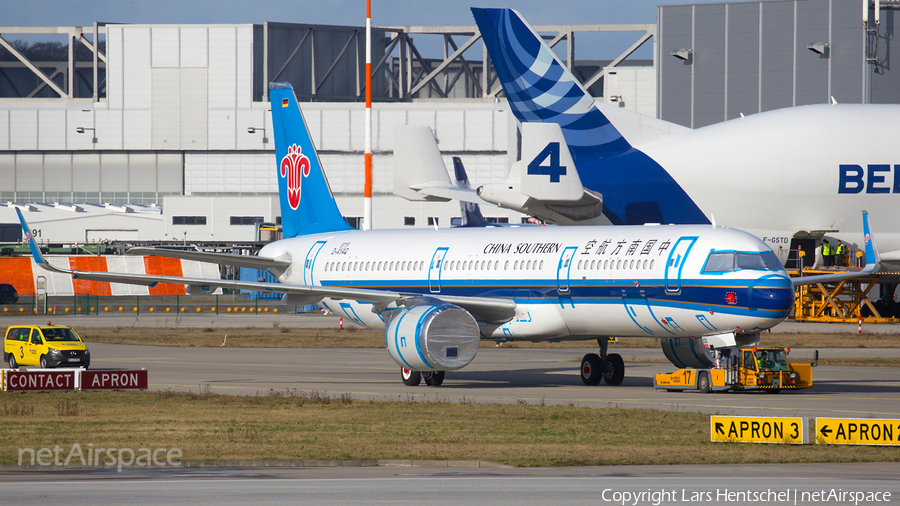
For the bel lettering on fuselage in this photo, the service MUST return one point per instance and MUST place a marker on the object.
(875, 178)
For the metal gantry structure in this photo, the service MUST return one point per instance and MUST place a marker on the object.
(331, 59)
(413, 72)
(75, 34)
(408, 74)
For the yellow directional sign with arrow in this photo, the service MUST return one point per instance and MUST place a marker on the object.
(858, 431)
(758, 429)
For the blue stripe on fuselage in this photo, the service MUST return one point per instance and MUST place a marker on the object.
(701, 294)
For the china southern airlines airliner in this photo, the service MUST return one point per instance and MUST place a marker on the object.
(437, 293)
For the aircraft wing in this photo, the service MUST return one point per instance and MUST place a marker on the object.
(873, 262)
(252, 262)
(482, 308)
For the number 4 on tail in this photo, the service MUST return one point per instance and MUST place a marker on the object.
(554, 170)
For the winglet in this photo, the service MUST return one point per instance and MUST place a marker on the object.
(873, 262)
(872, 256)
(35, 250)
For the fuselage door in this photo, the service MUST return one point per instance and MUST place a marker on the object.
(675, 263)
(434, 270)
(310, 261)
(562, 270)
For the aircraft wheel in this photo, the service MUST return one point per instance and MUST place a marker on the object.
(433, 379)
(703, 383)
(12, 361)
(410, 378)
(614, 370)
(591, 369)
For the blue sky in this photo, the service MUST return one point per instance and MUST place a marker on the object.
(339, 12)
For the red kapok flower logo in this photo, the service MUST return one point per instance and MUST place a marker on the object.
(291, 166)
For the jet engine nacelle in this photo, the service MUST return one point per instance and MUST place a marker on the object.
(432, 336)
(700, 352)
(202, 290)
(687, 352)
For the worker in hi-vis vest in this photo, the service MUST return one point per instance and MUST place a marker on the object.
(839, 253)
(826, 254)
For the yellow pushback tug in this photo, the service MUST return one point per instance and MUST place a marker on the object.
(754, 368)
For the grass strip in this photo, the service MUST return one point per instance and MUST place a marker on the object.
(296, 425)
(286, 337)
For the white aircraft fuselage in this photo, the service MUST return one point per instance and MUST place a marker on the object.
(568, 283)
(783, 172)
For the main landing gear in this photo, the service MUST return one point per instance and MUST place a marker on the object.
(610, 368)
(413, 378)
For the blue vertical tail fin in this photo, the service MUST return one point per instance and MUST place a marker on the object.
(539, 88)
(307, 204)
(471, 212)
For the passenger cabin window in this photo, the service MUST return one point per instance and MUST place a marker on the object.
(727, 261)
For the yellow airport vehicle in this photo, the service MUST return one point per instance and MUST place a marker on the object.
(756, 368)
(45, 346)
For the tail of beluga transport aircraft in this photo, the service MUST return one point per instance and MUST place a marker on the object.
(307, 204)
(539, 88)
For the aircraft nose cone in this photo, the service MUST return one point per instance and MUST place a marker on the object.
(773, 294)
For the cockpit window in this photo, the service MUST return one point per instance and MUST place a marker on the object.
(752, 261)
(727, 261)
(719, 262)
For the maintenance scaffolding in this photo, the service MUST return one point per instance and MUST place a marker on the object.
(836, 301)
